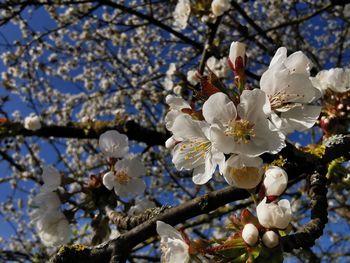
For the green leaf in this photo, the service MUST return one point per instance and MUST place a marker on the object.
(232, 252)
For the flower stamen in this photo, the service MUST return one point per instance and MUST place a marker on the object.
(242, 131)
(122, 177)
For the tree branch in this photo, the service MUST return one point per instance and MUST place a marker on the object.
(89, 130)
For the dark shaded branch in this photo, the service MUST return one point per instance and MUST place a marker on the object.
(207, 50)
(307, 236)
(87, 131)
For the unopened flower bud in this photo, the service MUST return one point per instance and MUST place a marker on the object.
(219, 7)
(274, 215)
(250, 234)
(237, 60)
(270, 239)
(275, 181)
(32, 123)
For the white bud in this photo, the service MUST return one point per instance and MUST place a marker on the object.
(237, 49)
(250, 234)
(270, 239)
(219, 7)
(275, 181)
(32, 123)
(274, 215)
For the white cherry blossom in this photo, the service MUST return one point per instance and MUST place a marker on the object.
(250, 234)
(195, 151)
(125, 178)
(335, 79)
(275, 181)
(173, 247)
(32, 122)
(113, 144)
(274, 214)
(245, 130)
(243, 171)
(290, 91)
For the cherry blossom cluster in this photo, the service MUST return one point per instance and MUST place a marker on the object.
(233, 127)
(242, 123)
(124, 170)
(250, 235)
(52, 225)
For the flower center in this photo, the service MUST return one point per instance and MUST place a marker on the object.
(195, 149)
(242, 131)
(122, 177)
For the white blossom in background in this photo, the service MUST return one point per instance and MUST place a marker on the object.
(182, 13)
(218, 66)
(250, 134)
(335, 79)
(140, 206)
(195, 151)
(53, 227)
(32, 122)
(125, 178)
(219, 7)
(242, 171)
(275, 181)
(192, 77)
(51, 178)
(173, 247)
(168, 80)
(270, 239)
(113, 144)
(274, 214)
(250, 234)
(177, 105)
(290, 91)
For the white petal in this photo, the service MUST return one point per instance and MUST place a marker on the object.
(301, 118)
(165, 230)
(136, 167)
(298, 63)
(279, 57)
(223, 143)
(51, 178)
(177, 103)
(219, 109)
(253, 105)
(109, 180)
(185, 127)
